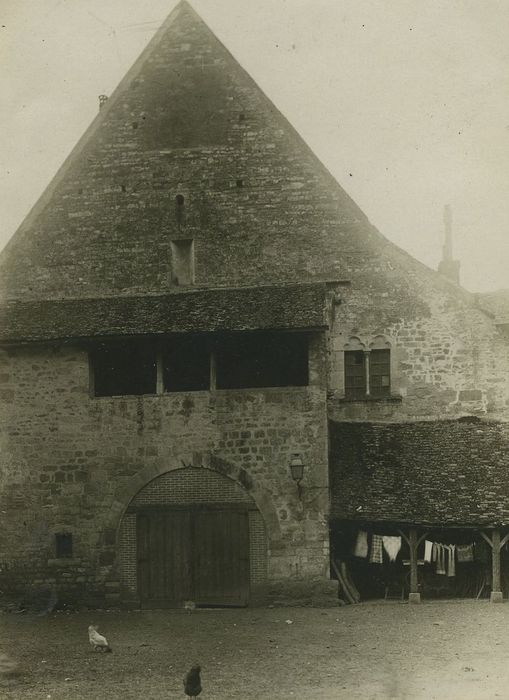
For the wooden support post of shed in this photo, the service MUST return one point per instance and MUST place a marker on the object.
(414, 596)
(496, 592)
(496, 545)
(413, 542)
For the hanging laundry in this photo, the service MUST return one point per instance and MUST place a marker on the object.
(376, 556)
(451, 560)
(361, 545)
(465, 552)
(392, 545)
(440, 558)
(428, 550)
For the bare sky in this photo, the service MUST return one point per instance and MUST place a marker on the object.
(406, 102)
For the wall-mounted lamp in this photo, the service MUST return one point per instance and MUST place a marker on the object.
(297, 471)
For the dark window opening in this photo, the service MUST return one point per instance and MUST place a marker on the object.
(182, 258)
(240, 183)
(180, 210)
(379, 372)
(63, 545)
(242, 117)
(135, 125)
(186, 364)
(124, 368)
(355, 374)
(123, 188)
(254, 360)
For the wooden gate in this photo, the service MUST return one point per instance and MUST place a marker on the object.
(193, 553)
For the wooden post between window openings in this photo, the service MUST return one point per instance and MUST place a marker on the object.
(213, 371)
(159, 370)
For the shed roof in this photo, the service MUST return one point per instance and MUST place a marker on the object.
(428, 472)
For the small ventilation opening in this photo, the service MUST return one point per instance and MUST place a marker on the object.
(182, 262)
(63, 544)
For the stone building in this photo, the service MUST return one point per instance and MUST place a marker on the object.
(211, 360)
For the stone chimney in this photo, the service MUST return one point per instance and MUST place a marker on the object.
(102, 100)
(449, 267)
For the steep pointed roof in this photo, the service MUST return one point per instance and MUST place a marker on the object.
(187, 124)
(187, 120)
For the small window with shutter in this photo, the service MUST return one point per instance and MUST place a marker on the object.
(380, 373)
(355, 374)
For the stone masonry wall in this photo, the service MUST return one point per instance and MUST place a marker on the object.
(448, 358)
(72, 463)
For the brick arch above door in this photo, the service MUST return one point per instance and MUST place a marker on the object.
(203, 462)
(190, 487)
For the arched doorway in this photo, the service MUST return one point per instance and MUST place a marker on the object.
(192, 534)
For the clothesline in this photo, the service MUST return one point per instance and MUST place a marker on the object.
(444, 556)
(390, 544)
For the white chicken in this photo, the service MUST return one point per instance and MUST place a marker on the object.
(8, 666)
(97, 640)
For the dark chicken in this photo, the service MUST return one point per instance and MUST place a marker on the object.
(192, 682)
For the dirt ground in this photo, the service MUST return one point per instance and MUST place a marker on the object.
(447, 650)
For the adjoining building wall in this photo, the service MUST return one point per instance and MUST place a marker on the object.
(448, 358)
(74, 463)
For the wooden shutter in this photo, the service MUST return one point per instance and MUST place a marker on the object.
(355, 374)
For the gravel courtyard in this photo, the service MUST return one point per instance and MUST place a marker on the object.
(446, 650)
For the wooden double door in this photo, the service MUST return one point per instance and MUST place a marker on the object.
(193, 553)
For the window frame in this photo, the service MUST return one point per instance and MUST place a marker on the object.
(351, 390)
(379, 390)
(374, 378)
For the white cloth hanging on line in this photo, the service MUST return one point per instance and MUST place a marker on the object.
(361, 545)
(428, 548)
(392, 545)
